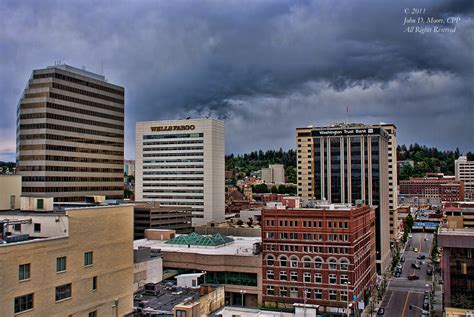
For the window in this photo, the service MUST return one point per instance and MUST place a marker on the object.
(307, 277)
(61, 264)
(270, 290)
(344, 264)
(318, 278)
(332, 279)
(332, 295)
(37, 227)
(307, 262)
(318, 263)
(293, 276)
(283, 276)
(23, 303)
(17, 227)
(294, 261)
(344, 279)
(293, 292)
(270, 275)
(318, 293)
(344, 296)
(283, 291)
(94, 283)
(283, 260)
(270, 260)
(180, 313)
(24, 272)
(88, 260)
(63, 292)
(332, 264)
(93, 313)
(39, 203)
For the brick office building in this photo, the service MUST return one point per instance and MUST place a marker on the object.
(433, 186)
(325, 253)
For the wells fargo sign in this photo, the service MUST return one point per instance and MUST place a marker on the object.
(186, 127)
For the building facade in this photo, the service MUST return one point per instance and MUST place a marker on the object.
(70, 135)
(129, 168)
(443, 188)
(464, 171)
(345, 163)
(150, 215)
(181, 163)
(73, 265)
(323, 255)
(274, 174)
(10, 191)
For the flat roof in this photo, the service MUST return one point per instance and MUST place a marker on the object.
(242, 246)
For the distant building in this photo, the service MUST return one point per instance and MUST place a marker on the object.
(67, 263)
(147, 267)
(403, 164)
(274, 174)
(234, 263)
(321, 255)
(457, 265)
(129, 167)
(151, 215)
(70, 135)
(345, 163)
(10, 192)
(181, 163)
(464, 171)
(433, 186)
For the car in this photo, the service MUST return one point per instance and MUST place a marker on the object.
(421, 257)
(397, 274)
(410, 236)
(402, 259)
(415, 250)
(416, 266)
(381, 312)
(426, 304)
(413, 277)
(429, 271)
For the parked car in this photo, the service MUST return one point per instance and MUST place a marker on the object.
(429, 271)
(426, 304)
(381, 312)
(416, 266)
(415, 249)
(397, 274)
(421, 257)
(413, 277)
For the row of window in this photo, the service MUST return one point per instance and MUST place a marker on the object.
(175, 161)
(70, 169)
(86, 102)
(174, 191)
(65, 138)
(307, 224)
(54, 116)
(176, 197)
(87, 93)
(307, 262)
(69, 179)
(173, 178)
(306, 248)
(308, 293)
(62, 148)
(174, 173)
(306, 277)
(173, 148)
(306, 236)
(174, 142)
(79, 82)
(71, 189)
(177, 203)
(149, 167)
(173, 136)
(68, 159)
(173, 185)
(36, 126)
(174, 154)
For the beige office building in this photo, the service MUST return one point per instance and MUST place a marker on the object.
(181, 163)
(347, 163)
(70, 135)
(74, 266)
(10, 192)
(464, 171)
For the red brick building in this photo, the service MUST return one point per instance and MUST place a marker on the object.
(444, 188)
(322, 255)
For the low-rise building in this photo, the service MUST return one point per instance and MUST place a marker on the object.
(10, 192)
(234, 262)
(433, 186)
(147, 267)
(76, 262)
(464, 171)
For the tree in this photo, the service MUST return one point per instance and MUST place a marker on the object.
(409, 221)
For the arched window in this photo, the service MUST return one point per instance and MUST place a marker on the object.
(294, 261)
(270, 260)
(283, 260)
(332, 263)
(318, 263)
(307, 262)
(344, 264)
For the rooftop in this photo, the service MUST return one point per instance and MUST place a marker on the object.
(79, 71)
(457, 232)
(200, 240)
(241, 246)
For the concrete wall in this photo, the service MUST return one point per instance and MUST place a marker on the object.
(10, 185)
(150, 271)
(51, 225)
(108, 233)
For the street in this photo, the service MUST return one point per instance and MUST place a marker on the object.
(402, 292)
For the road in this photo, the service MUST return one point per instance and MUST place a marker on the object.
(401, 292)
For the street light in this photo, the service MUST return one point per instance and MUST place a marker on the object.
(347, 297)
(242, 292)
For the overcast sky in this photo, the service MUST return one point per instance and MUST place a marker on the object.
(266, 67)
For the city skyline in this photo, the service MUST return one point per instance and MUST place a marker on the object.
(266, 68)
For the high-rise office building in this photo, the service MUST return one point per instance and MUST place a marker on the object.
(70, 135)
(345, 163)
(181, 163)
(464, 171)
(274, 174)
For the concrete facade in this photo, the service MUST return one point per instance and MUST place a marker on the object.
(110, 240)
(10, 192)
(70, 135)
(464, 171)
(274, 174)
(181, 163)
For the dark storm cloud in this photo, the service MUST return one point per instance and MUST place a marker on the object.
(255, 63)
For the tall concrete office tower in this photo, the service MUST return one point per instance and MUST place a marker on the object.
(345, 163)
(181, 163)
(70, 135)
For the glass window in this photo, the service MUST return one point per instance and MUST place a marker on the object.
(332, 295)
(270, 260)
(63, 292)
(283, 291)
(318, 293)
(344, 296)
(294, 261)
(61, 264)
(88, 258)
(307, 277)
(93, 313)
(318, 278)
(283, 261)
(283, 276)
(293, 276)
(37, 227)
(344, 279)
(270, 275)
(307, 262)
(39, 203)
(293, 292)
(94, 283)
(17, 227)
(270, 290)
(23, 303)
(318, 263)
(332, 264)
(332, 279)
(24, 271)
(180, 313)
(344, 264)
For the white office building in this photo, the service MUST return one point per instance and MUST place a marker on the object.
(181, 163)
(464, 171)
